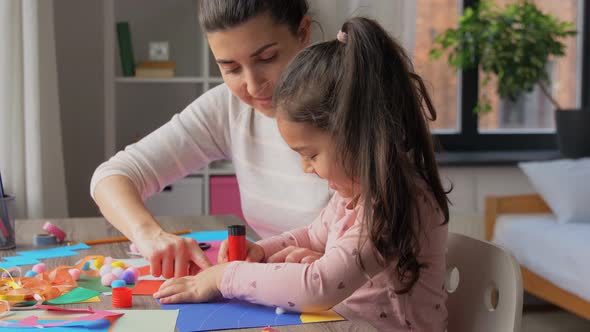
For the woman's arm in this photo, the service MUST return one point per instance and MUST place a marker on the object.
(169, 255)
(189, 141)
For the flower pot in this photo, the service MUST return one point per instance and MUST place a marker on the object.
(573, 132)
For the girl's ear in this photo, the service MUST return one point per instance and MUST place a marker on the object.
(304, 30)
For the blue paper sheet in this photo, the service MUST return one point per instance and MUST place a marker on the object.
(54, 252)
(228, 315)
(20, 260)
(209, 236)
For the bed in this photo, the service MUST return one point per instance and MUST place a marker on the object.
(554, 258)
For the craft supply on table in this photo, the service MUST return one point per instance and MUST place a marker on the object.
(122, 297)
(44, 239)
(236, 243)
(52, 229)
(124, 239)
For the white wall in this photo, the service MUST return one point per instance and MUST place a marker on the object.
(470, 187)
(79, 48)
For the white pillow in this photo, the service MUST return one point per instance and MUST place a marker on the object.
(564, 185)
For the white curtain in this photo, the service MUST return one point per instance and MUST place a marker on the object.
(31, 153)
(398, 17)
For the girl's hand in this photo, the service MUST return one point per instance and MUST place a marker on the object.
(255, 252)
(171, 255)
(293, 254)
(200, 288)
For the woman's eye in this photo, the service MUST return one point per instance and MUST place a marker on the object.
(233, 70)
(268, 58)
(312, 158)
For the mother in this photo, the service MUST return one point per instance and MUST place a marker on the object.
(252, 42)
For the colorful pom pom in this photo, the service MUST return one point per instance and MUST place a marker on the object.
(128, 276)
(107, 279)
(118, 264)
(75, 273)
(30, 274)
(117, 272)
(118, 283)
(98, 262)
(86, 266)
(105, 269)
(39, 268)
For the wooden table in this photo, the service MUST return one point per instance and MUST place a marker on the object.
(83, 229)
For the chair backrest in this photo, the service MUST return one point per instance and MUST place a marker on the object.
(488, 295)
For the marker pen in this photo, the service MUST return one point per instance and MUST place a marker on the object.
(236, 243)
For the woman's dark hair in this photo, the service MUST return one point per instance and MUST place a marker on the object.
(216, 15)
(365, 93)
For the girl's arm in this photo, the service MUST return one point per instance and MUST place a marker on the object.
(312, 236)
(304, 287)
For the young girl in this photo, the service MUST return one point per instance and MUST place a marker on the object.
(356, 113)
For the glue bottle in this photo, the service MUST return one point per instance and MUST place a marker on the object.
(236, 243)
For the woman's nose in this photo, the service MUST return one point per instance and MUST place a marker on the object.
(257, 85)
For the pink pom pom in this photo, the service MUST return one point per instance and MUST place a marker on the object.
(106, 268)
(75, 273)
(108, 260)
(107, 279)
(39, 268)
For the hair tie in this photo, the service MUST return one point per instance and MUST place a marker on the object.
(342, 36)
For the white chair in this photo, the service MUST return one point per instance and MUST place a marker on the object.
(487, 293)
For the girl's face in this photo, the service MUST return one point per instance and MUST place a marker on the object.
(252, 56)
(318, 155)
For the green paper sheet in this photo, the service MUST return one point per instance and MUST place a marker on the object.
(77, 294)
(94, 283)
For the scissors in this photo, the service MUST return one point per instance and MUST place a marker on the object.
(204, 245)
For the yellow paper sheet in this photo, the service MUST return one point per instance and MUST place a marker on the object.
(324, 316)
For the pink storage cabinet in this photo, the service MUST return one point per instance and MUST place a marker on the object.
(224, 196)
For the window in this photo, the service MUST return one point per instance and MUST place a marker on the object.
(526, 124)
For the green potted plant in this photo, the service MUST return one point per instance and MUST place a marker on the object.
(514, 44)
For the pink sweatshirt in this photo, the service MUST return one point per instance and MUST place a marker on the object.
(337, 278)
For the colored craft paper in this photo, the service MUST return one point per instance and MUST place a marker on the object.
(147, 287)
(77, 294)
(91, 300)
(93, 283)
(209, 236)
(75, 320)
(145, 320)
(318, 317)
(101, 325)
(21, 260)
(235, 314)
(54, 252)
(131, 321)
(144, 270)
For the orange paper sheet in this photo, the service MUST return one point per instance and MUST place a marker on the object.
(147, 287)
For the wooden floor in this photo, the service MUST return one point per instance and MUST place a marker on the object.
(554, 320)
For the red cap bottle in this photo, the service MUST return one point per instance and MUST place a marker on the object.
(236, 240)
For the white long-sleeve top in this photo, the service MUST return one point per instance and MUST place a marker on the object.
(276, 195)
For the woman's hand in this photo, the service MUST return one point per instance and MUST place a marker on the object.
(255, 252)
(200, 288)
(171, 255)
(293, 254)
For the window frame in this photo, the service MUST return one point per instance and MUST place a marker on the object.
(470, 139)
